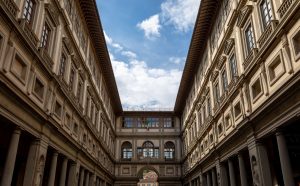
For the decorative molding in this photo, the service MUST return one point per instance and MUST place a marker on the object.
(229, 43)
(244, 15)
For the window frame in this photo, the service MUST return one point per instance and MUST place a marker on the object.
(29, 20)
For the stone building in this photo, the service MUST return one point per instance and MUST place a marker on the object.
(235, 120)
(239, 98)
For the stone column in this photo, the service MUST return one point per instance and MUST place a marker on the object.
(223, 175)
(92, 180)
(260, 167)
(52, 169)
(231, 173)
(72, 175)
(208, 179)
(87, 178)
(285, 163)
(35, 163)
(202, 180)
(243, 174)
(214, 177)
(81, 177)
(11, 158)
(63, 173)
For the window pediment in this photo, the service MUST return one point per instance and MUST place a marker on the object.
(68, 45)
(53, 13)
(228, 46)
(243, 15)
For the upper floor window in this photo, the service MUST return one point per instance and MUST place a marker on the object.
(224, 80)
(62, 64)
(72, 76)
(168, 122)
(127, 122)
(233, 67)
(126, 150)
(169, 151)
(217, 92)
(28, 10)
(80, 89)
(265, 8)
(249, 38)
(45, 36)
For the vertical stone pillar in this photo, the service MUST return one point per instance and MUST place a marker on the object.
(208, 179)
(231, 173)
(81, 177)
(35, 163)
(223, 175)
(72, 175)
(202, 180)
(259, 161)
(92, 180)
(52, 169)
(11, 158)
(214, 177)
(285, 163)
(243, 174)
(87, 178)
(63, 173)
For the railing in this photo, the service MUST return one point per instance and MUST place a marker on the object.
(267, 33)
(284, 7)
(11, 6)
(147, 109)
(250, 57)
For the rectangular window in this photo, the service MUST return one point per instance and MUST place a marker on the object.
(249, 38)
(168, 122)
(28, 11)
(217, 92)
(80, 89)
(224, 80)
(72, 76)
(256, 89)
(39, 88)
(265, 8)
(233, 67)
(62, 65)
(128, 122)
(45, 36)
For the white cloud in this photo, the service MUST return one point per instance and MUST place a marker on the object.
(180, 13)
(129, 54)
(111, 43)
(177, 60)
(143, 87)
(107, 38)
(150, 26)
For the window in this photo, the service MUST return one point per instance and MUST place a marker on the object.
(220, 128)
(227, 121)
(127, 122)
(45, 36)
(68, 120)
(265, 8)
(148, 149)
(224, 80)
(39, 88)
(237, 110)
(75, 129)
(256, 89)
(168, 122)
(58, 109)
(208, 106)
(169, 151)
(296, 44)
(80, 89)
(249, 39)
(233, 67)
(126, 150)
(28, 11)
(71, 81)
(276, 69)
(19, 68)
(217, 92)
(62, 65)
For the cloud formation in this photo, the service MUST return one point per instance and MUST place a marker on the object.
(150, 26)
(140, 86)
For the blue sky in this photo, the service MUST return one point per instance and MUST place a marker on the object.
(148, 41)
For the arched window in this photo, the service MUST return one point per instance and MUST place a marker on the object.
(169, 150)
(126, 150)
(148, 149)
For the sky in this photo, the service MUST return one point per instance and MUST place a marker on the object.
(148, 41)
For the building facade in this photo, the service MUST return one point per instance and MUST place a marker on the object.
(58, 98)
(236, 115)
(239, 94)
